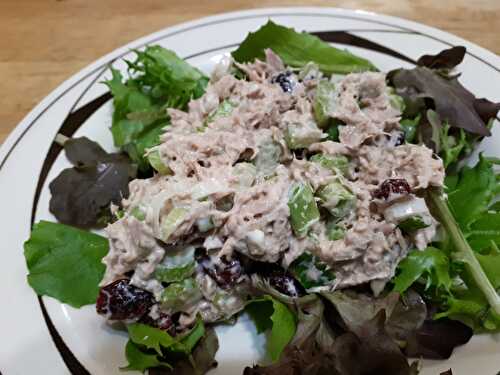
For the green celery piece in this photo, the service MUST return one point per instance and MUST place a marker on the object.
(323, 102)
(430, 263)
(412, 224)
(138, 213)
(225, 108)
(246, 173)
(463, 252)
(409, 126)
(334, 163)
(155, 161)
(311, 272)
(174, 274)
(299, 49)
(334, 231)
(337, 199)
(268, 157)
(180, 296)
(270, 314)
(174, 218)
(300, 136)
(65, 263)
(141, 361)
(333, 131)
(303, 209)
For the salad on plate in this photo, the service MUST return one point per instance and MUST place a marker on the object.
(328, 201)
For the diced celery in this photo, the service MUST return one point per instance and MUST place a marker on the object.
(302, 135)
(178, 264)
(338, 163)
(333, 131)
(246, 173)
(225, 108)
(138, 213)
(337, 199)
(180, 296)
(174, 274)
(303, 209)
(268, 157)
(334, 231)
(309, 71)
(170, 223)
(156, 162)
(323, 102)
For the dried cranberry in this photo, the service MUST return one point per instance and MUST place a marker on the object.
(285, 284)
(399, 139)
(285, 81)
(122, 301)
(392, 186)
(226, 273)
(163, 322)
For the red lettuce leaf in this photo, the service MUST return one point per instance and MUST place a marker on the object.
(446, 59)
(81, 195)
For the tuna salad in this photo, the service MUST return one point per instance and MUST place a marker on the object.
(323, 198)
(249, 172)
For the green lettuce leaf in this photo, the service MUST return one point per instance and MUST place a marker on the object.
(298, 49)
(471, 192)
(150, 337)
(479, 282)
(139, 360)
(431, 264)
(65, 262)
(150, 347)
(158, 80)
(485, 230)
(270, 314)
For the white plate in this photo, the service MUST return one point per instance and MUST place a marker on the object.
(84, 342)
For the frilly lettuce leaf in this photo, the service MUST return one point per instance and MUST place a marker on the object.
(158, 80)
(270, 314)
(430, 264)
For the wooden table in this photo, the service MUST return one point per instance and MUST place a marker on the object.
(43, 42)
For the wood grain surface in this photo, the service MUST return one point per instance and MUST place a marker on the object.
(43, 42)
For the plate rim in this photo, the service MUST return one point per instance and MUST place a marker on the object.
(23, 126)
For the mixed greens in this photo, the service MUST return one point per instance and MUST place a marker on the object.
(348, 268)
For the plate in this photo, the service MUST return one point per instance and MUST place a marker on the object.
(41, 335)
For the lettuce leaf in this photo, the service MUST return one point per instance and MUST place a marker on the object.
(297, 49)
(270, 314)
(431, 264)
(65, 262)
(151, 347)
(158, 79)
(139, 360)
(81, 195)
(472, 192)
(461, 273)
